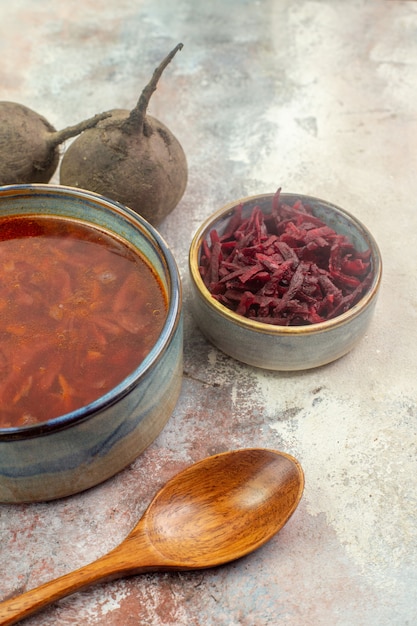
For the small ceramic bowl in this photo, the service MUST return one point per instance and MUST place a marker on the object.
(73, 452)
(276, 347)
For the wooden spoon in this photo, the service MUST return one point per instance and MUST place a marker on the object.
(215, 511)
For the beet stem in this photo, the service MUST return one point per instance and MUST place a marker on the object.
(137, 115)
(57, 137)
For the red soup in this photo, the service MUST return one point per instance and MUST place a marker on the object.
(79, 310)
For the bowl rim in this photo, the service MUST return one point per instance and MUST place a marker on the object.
(173, 313)
(276, 329)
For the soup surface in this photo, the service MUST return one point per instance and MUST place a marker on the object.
(79, 311)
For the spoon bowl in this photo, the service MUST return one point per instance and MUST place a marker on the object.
(215, 511)
(223, 507)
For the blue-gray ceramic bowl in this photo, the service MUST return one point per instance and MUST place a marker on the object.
(76, 451)
(276, 347)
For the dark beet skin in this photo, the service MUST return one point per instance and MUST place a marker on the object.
(146, 171)
(29, 144)
(26, 155)
(131, 157)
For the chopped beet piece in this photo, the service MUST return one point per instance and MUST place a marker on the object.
(285, 268)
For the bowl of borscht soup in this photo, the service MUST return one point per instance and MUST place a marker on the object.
(91, 339)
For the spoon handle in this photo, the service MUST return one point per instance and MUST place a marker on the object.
(117, 563)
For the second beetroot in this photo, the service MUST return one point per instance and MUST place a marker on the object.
(132, 158)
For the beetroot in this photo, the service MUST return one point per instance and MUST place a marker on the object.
(132, 158)
(29, 144)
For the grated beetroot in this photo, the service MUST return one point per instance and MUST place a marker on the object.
(286, 268)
